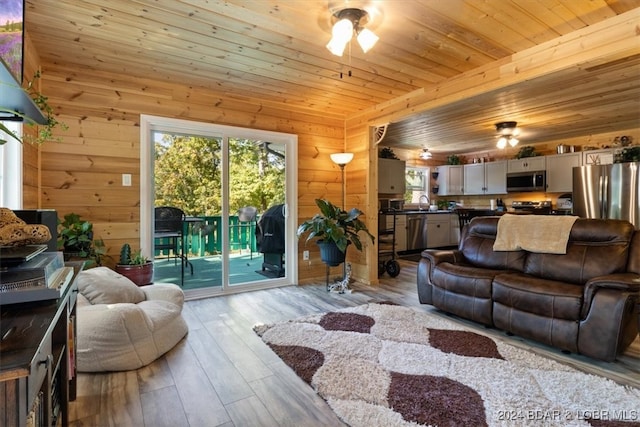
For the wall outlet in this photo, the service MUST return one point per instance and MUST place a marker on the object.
(305, 256)
(126, 180)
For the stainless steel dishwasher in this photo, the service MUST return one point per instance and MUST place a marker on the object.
(416, 232)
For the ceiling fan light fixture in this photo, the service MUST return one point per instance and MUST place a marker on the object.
(350, 21)
(507, 131)
(425, 154)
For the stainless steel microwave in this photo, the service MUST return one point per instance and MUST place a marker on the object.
(526, 181)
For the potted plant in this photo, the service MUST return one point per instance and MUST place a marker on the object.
(527, 151)
(75, 239)
(335, 229)
(135, 266)
(454, 159)
(628, 154)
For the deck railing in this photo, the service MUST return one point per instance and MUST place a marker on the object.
(203, 235)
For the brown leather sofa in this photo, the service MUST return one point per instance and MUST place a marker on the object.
(584, 301)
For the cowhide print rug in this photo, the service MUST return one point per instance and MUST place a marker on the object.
(386, 365)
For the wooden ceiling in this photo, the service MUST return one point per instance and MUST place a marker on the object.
(274, 52)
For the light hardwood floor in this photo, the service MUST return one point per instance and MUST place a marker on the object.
(222, 374)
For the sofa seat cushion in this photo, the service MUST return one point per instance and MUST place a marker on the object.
(464, 290)
(548, 298)
(465, 279)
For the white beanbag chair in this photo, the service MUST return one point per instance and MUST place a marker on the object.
(122, 326)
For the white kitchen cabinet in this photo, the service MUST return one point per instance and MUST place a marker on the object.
(527, 164)
(450, 180)
(438, 230)
(598, 157)
(485, 178)
(560, 171)
(474, 179)
(391, 176)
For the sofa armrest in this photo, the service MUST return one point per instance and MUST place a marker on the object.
(431, 258)
(623, 282)
(610, 325)
(436, 256)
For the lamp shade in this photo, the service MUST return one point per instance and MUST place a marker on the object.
(367, 39)
(341, 158)
(341, 34)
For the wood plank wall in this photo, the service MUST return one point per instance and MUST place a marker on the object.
(82, 173)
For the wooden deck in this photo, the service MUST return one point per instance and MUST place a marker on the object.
(222, 374)
(207, 270)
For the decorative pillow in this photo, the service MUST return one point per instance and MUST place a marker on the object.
(101, 285)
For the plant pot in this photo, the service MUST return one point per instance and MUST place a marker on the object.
(141, 274)
(330, 254)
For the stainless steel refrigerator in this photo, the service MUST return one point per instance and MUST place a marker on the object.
(608, 191)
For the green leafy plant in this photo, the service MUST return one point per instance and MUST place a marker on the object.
(335, 225)
(75, 238)
(45, 132)
(453, 160)
(527, 151)
(127, 257)
(628, 154)
(387, 153)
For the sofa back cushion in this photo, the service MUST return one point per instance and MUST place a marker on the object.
(596, 247)
(476, 244)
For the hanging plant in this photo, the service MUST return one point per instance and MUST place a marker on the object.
(45, 132)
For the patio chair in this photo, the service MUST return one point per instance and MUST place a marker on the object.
(168, 235)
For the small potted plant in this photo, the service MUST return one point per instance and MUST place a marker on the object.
(135, 266)
(75, 239)
(335, 229)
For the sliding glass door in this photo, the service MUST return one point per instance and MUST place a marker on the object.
(235, 187)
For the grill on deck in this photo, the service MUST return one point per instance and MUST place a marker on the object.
(270, 239)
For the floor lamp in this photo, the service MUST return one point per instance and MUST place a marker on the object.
(342, 159)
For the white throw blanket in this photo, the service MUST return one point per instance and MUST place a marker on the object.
(534, 233)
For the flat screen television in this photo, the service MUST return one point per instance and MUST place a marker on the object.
(12, 36)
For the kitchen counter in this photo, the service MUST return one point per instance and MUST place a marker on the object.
(416, 211)
(424, 211)
(427, 211)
